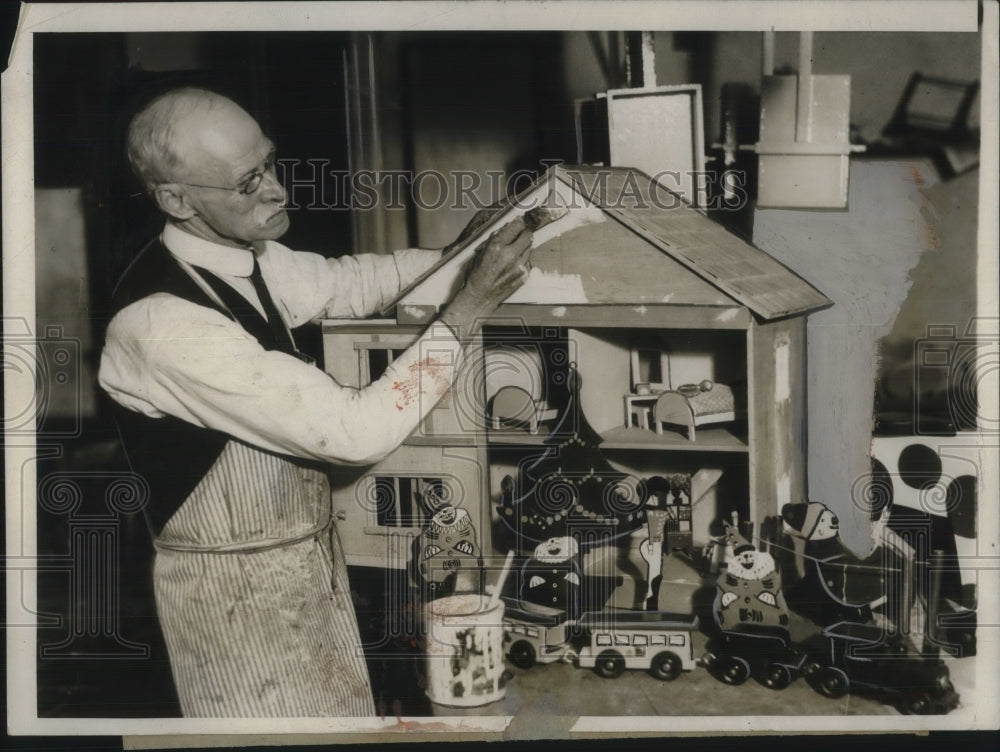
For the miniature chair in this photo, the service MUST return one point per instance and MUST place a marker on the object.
(638, 407)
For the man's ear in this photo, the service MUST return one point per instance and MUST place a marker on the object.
(172, 201)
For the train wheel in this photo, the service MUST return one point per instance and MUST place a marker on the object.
(832, 682)
(777, 676)
(811, 668)
(734, 670)
(522, 654)
(666, 666)
(609, 664)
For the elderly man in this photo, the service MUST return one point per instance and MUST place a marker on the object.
(232, 427)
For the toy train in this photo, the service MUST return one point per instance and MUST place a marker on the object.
(862, 658)
(845, 657)
(658, 642)
(537, 636)
(765, 653)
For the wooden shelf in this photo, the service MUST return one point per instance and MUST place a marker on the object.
(520, 436)
(713, 439)
(442, 441)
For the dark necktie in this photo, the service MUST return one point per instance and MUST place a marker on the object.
(277, 326)
(269, 329)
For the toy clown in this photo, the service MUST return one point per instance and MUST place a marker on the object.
(552, 577)
(749, 588)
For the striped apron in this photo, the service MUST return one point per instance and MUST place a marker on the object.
(253, 596)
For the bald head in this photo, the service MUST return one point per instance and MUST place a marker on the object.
(176, 129)
(208, 167)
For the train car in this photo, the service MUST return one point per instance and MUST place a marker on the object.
(540, 635)
(656, 641)
(768, 654)
(860, 658)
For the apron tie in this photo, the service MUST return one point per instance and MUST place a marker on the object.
(248, 547)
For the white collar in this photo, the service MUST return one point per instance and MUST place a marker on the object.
(224, 260)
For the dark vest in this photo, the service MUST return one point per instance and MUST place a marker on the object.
(171, 454)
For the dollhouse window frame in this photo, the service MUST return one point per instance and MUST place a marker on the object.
(376, 516)
(392, 346)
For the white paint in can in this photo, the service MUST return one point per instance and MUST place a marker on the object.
(465, 663)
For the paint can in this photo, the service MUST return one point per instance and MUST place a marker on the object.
(464, 647)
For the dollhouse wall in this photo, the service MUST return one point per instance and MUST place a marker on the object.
(603, 362)
(378, 522)
(778, 415)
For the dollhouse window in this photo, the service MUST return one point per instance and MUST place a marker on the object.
(373, 359)
(640, 639)
(658, 639)
(400, 501)
(677, 639)
(603, 640)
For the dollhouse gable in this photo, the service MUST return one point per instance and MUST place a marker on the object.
(623, 240)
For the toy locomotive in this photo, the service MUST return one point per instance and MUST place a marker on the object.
(858, 657)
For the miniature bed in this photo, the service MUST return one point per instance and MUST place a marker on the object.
(692, 405)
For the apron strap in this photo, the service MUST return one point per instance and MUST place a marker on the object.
(249, 547)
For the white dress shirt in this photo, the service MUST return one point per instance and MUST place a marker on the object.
(167, 356)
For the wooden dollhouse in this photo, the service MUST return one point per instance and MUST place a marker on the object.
(648, 342)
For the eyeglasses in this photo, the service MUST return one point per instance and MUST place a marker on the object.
(249, 186)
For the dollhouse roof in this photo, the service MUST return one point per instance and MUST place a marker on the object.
(656, 249)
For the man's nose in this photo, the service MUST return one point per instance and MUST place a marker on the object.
(271, 189)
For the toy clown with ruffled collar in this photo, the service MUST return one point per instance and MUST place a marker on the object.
(749, 589)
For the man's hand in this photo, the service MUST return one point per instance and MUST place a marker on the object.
(493, 274)
(502, 266)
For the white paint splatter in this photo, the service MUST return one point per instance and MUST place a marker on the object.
(576, 217)
(667, 297)
(784, 490)
(550, 287)
(641, 310)
(559, 311)
(415, 312)
(727, 315)
(782, 375)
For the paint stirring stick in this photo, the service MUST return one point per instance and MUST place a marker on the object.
(495, 599)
